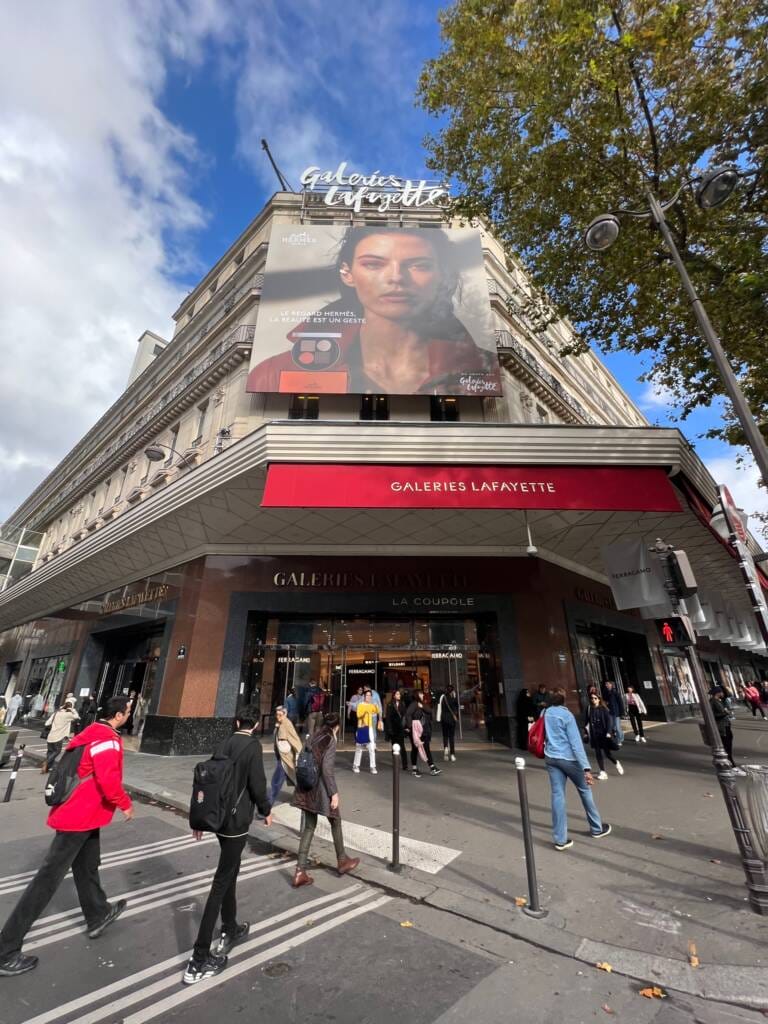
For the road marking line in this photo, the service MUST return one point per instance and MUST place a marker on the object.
(142, 906)
(416, 854)
(178, 998)
(109, 991)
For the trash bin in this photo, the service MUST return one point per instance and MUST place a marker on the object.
(757, 802)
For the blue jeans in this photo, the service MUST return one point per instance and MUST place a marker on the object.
(559, 771)
(618, 731)
(278, 779)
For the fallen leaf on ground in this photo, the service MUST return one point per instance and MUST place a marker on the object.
(406, 924)
(714, 860)
(520, 901)
(693, 958)
(709, 796)
(603, 966)
(653, 993)
(656, 836)
(607, 1008)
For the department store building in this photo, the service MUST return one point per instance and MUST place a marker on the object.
(206, 544)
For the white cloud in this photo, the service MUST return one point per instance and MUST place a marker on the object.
(741, 480)
(655, 396)
(95, 202)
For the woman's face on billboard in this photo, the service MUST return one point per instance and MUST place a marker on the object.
(396, 276)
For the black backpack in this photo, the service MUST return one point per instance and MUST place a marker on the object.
(214, 793)
(63, 779)
(307, 774)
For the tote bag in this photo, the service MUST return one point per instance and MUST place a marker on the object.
(536, 737)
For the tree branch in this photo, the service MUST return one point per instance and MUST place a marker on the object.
(655, 177)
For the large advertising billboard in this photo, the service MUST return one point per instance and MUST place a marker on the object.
(374, 310)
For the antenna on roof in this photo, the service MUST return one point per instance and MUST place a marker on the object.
(285, 187)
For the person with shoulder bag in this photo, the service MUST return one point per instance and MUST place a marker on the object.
(368, 723)
(394, 726)
(249, 790)
(448, 717)
(321, 798)
(59, 728)
(287, 749)
(600, 731)
(636, 709)
(87, 803)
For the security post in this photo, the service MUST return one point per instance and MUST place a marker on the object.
(14, 773)
(533, 909)
(396, 769)
(676, 630)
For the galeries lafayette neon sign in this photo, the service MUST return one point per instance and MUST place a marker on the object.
(380, 190)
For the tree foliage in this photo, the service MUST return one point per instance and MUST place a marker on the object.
(554, 111)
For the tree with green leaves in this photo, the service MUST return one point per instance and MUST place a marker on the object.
(554, 111)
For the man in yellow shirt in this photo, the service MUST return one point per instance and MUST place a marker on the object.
(365, 735)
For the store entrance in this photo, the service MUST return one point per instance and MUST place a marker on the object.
(349, 654)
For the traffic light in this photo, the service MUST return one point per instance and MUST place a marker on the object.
(681, 574)
(675, 631)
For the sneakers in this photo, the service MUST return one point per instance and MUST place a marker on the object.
(16, 963)
(643, 739)
(434, 771)
(355, 770)
(200, 971)
(112, 914)
(415, 773)
(453, 757)
(637, 739)
(229, 940)
(605, 832)
(564, 846)
(619, 768)
(374, 771)
(445, 753)
(602, 776)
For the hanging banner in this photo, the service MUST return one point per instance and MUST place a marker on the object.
(635, 575)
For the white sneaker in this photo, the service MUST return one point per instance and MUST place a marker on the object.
(453, 757)
(637, 739)
(445, 753)
(619, 768)
(356, 770)
(602, 776)
(643, 739)
(374, 772)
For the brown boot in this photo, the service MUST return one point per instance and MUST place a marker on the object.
(347, 864)
(301, 878)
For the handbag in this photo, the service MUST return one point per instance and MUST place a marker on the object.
(44, 732)
(283, 746)
(537, 737)
(611, 744)
(363, 735)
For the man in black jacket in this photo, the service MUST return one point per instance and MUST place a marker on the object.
(616, 707)
(251, 786)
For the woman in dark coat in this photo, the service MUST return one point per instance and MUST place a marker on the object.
(524, 710)
(600, 729)
(322, 799)
(394, 725)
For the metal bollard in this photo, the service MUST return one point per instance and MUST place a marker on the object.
(396, 769)
(534, 906)
(14, 773)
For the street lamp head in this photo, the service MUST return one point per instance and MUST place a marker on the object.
(602, 232)
(155, 453)
(716, 186)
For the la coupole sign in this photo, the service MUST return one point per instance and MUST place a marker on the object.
(359, 191)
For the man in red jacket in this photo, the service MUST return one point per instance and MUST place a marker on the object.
(77, 822)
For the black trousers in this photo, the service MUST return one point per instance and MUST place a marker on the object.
(222, 899)
(52, 752)
(600, 754)
(415, 754)
(635, 720)
(726, 736)
(449, 735)
(754, 708)
(80, 851)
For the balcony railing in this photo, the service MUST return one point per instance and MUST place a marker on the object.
(506, 340)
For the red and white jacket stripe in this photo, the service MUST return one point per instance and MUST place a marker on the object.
(95, 799)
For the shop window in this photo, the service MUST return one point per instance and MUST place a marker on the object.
(304, 407)
(374, 407)
(444, 410)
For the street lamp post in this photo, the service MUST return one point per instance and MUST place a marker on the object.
(755, 869)
(713, 190)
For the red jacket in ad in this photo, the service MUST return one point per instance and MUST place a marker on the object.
(94, 800)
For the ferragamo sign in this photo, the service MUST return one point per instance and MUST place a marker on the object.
(620, 488)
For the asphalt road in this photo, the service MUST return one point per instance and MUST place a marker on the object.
(336, 951)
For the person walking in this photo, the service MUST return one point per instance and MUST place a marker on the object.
(418, 720)
(565, 758)
(323, 799)
(365, 732)
(60, 728)
(448, 717)
(292, 707)
(352, 703)
(600, 730)
(140, 709)
(636, 709)
(318, 698)
(394, 726)
(540, 701)
(13, 709)
(752, 699)
(77, 823)
(615, 705)
(723, 717)
(244, 749)
(287, 749)
(524, 714)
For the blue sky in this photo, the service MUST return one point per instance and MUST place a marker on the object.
(128, 168)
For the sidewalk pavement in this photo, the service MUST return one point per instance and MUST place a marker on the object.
(668, 882)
